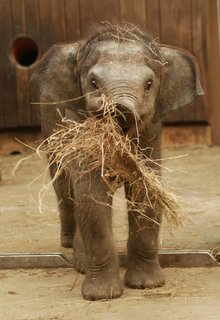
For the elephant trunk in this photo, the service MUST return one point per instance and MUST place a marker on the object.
(127, 103)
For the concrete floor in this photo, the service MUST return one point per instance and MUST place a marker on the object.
(54, 294)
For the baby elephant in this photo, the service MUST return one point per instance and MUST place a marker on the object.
(145, 81)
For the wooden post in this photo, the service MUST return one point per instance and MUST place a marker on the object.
(214, 68)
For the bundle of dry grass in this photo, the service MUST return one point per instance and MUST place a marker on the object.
(99, 144)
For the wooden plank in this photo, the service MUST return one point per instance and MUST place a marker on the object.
(18, 17)
(92, 13)
(23, 99)
(111, 8)
(176, 23)
(214, 68)
(153, 18)
(218, 22)
(52, 23)
(8, 112)
(199, 37)
(96, 12)
(8, 144)
(134, 12)
(186, 136)
(57, 11)
(199, 34)
(127, 10)
(72, 15)
(176, 30)
(46, 26)
(140, 8)
(33, 32)
(22, 76)
(87, 18)
(32, 19)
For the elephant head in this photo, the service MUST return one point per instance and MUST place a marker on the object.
(142, 79)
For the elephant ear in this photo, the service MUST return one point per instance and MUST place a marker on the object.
(180, 83)
(55, 78)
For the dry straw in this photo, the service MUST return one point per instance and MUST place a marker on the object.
(99, 144)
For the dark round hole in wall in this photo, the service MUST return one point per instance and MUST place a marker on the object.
(24, 51)
(15, 153)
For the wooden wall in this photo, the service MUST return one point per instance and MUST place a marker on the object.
(213, 70)
(174, 22)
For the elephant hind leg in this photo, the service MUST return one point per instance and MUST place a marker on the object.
(68, 223)
(70, 234)
(65, 197)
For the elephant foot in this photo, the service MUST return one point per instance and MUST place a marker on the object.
(149, 275)
(102, 287)
(66, 239)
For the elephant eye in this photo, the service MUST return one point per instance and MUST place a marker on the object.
(148, 84)
(94, 84)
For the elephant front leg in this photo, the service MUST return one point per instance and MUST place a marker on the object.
(102, 280)
(143, 268)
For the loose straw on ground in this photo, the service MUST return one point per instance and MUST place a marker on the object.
(99, 144)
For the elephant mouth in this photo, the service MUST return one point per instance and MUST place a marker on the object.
(125, 119)
(122, 116)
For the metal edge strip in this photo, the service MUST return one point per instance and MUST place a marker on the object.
(167, 258)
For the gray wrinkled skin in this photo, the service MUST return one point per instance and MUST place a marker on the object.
(145, 81)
